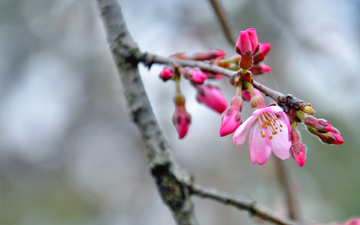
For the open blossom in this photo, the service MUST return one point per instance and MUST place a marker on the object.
(270, 132)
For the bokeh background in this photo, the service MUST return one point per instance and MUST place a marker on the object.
(69, 155)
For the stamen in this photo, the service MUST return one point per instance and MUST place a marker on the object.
(263, 125)
(263, 136)
(281, 125)
(270, 137)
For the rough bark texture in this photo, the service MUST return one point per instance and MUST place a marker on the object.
(172, 182)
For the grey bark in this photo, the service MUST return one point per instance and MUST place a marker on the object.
(171, 180)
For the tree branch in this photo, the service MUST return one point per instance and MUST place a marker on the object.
(219, 11)
(285, 101)
(241, 203)
(172, 181)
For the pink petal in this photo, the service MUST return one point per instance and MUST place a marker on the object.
(244, 43)
(241, 132)
(281, 144)
(260, 111)
(282, 116)
(253, 39)
(259, 151)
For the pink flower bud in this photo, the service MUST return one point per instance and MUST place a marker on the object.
(330, 137)
(298, 152)
(209, 55)
(257, 69)
(212, 97)
(246, 95)
(247, 44)
(181, 117)
(166, 74)
(264, 50)
(194, 75)
(323, 129)
(230, 121)
(217, 76)
(297, 149)
(198, 76)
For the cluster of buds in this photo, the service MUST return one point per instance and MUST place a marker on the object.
(207, 94)
(322, 129)
(252, 53)
(273, 128)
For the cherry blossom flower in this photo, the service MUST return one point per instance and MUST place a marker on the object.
(270, 132)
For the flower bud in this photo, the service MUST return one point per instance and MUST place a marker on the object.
(329, 137)
(257, 102)
(264, 50)
(257, 69)
(230, 121)
(309, 110)
(194, 75)
(247, 44)
(181, 117)
(297, 150)
(246, 95)
(212, 97)
(166, 74)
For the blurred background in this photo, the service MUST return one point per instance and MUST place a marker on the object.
(69, 155)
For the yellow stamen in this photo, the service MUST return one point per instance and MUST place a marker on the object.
(270, 137)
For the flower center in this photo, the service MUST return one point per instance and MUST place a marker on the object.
(271, 122)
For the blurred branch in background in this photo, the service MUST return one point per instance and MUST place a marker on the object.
(221, 15)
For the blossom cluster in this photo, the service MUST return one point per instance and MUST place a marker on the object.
(272, 128)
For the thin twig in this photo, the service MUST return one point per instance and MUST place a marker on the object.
(241, 203)
(291, 199)
(219, 11)
(171, 180)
